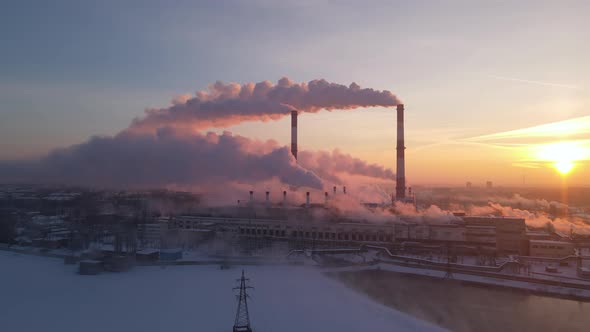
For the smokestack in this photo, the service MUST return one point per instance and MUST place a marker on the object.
(251, 197)
(284, 197)
(294, 134)
(400, 186)
(307, 199)
(344, 189)
(238, 203)
(267, 198)
(334, 190)
(326, 198)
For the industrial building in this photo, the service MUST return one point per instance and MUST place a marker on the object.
(548, 248)
(505, 236)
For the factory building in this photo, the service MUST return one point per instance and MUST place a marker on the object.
(511, 236)
(480, 234)
(548, 248)
(507, 236)
(150, 234)
(294, 230)
(510, 233)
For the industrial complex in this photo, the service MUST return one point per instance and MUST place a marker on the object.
(113, 231)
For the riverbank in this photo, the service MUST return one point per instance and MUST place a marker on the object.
(461, 306)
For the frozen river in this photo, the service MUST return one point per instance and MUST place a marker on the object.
(461, 307)
(43, 294)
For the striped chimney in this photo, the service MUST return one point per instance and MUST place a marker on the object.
(400, 186)
(294, 134)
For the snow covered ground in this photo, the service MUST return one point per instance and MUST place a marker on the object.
(43, 294)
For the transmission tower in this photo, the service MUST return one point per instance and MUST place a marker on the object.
(242, 322)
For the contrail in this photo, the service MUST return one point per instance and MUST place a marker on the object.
(572, 128)
(557, 85)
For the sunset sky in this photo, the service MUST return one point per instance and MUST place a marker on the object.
(487, 85)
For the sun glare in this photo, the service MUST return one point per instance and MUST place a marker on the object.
(563, 155)
(564, 167)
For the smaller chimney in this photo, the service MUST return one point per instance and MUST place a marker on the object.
(251, 197)
(267, 198)
(294, 134)
(344, 189)
(284, 197)
(238, 203)
(410, 191)
(326, 198)
(307, 199)
(334, 190)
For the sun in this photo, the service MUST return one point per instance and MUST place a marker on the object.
(563, 155)
(564, 167)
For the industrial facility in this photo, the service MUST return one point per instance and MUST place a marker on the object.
(114, 231)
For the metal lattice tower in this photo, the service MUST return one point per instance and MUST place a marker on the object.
(242, 322)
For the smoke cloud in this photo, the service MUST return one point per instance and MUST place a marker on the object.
(535, 219)
(172, 158)
(168, 158)
(224, 105)
(329, 164)
(167, 147)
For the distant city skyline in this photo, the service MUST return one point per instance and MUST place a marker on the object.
(467, 72)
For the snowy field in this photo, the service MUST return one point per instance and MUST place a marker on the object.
(43, 294)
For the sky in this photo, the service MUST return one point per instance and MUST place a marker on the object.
(467, 72)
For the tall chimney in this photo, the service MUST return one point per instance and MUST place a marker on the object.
(251, 197)
(344, 189)
(334, 190)
(400, 186)
(294, 134)
(326, 198)
(267, 198)
(284, 197)
(307, 199)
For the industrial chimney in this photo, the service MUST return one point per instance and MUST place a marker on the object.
(251, 197)
(334, 190)
(326, 198)
(344, 189)
(294, 134)
(400, 186)
(307, 199)
(267, 198)
(284, 197)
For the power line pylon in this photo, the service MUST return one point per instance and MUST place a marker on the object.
(242, 322)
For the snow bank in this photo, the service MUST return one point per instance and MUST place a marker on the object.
(43, 294)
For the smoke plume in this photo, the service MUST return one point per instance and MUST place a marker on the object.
(535, 219)
(167, 158)
(224, 105)
(329, 164)
(167, 148)
(172, 158)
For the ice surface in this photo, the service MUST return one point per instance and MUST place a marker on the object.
(43, 294)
